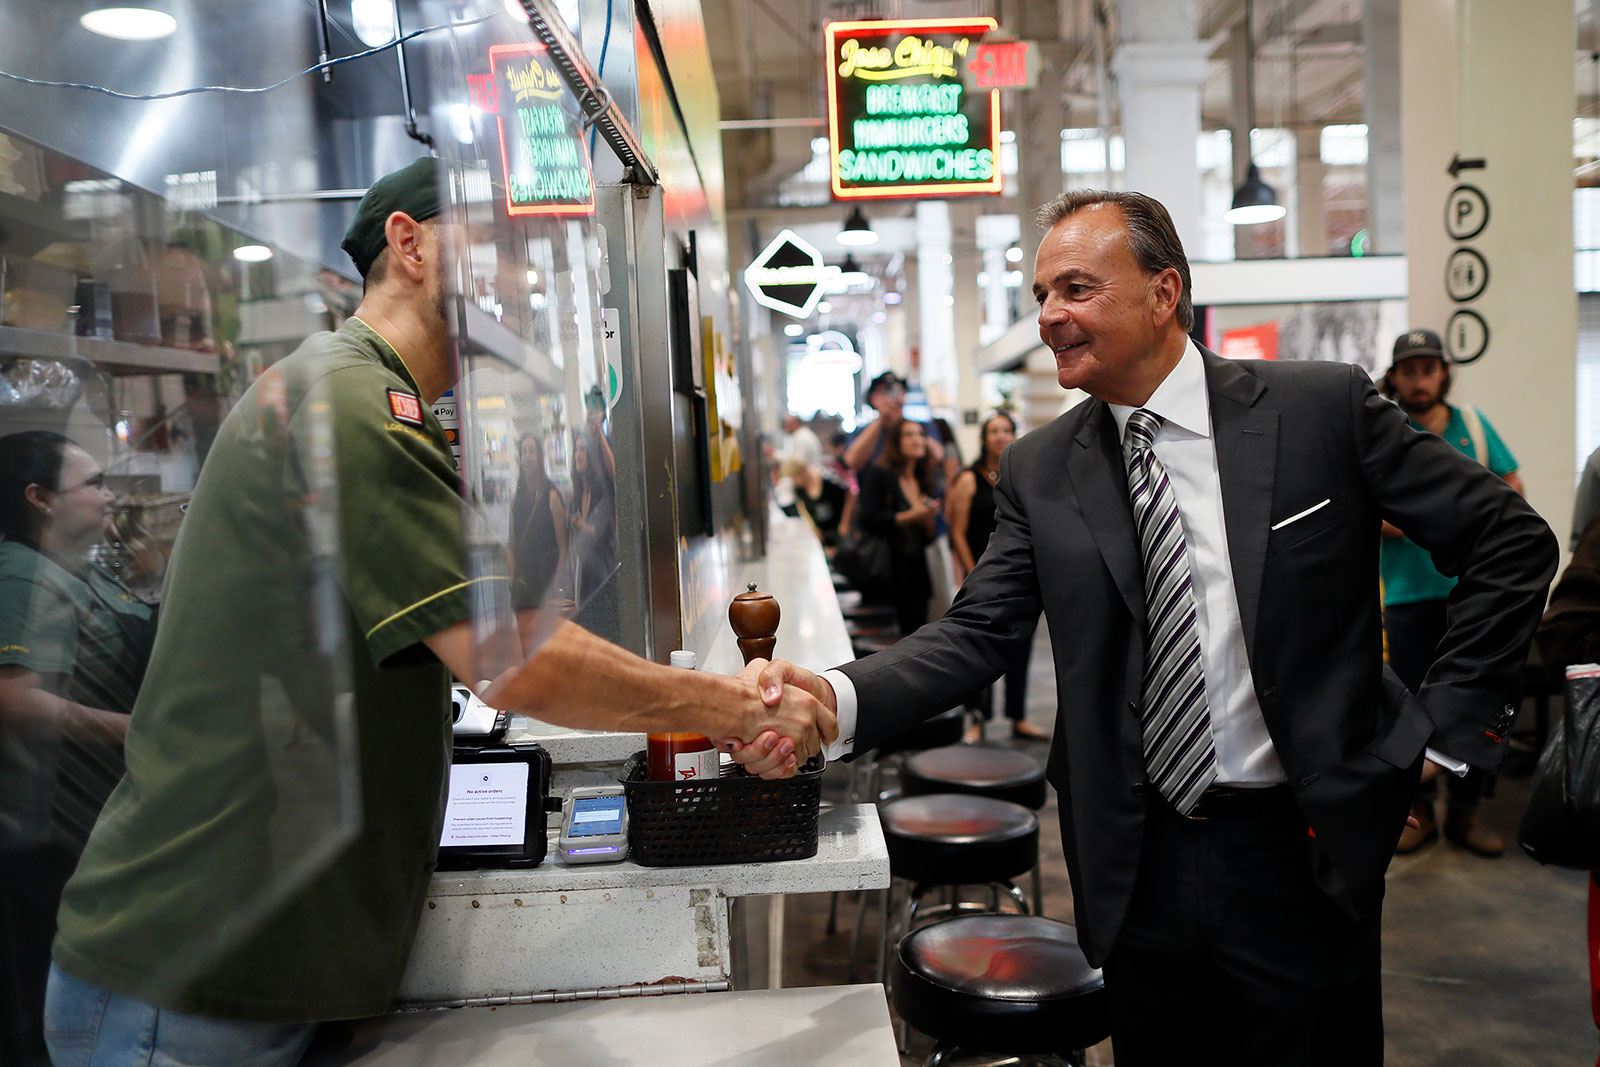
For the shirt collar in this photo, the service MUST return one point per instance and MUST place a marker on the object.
(1180, 399)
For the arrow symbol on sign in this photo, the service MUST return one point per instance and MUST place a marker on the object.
(1457, 164)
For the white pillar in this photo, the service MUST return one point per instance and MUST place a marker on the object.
(1309, 210)
(1386, 185)
(1160, 68)
(1507, 82)
(935, 301)
(965, 389)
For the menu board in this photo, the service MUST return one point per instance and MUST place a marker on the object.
(901, 121)
(545, 165)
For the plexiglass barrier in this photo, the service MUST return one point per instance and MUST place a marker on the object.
(232, 513)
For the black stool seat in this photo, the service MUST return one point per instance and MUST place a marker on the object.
(1001, 983)
(979, 770)
(950, 839)
(867, 614)
(942, 729)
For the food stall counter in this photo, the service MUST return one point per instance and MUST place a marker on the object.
(843, 1026)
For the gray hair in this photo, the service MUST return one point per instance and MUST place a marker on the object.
(1152, 238)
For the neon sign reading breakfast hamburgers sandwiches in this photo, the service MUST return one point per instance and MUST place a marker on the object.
(900, 120)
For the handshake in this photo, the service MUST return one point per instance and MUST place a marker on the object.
(790, 717)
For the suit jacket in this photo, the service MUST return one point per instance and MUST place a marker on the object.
(1288, 436)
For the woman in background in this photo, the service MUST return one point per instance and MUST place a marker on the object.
(971, 524)
(538, 528)
(900, 502)
(73, 648)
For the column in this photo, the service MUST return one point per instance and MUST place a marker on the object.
(1386, 185)
(936, 301)
(1309, 237)
(965, 390)
(1160, 67)
(1487, 87)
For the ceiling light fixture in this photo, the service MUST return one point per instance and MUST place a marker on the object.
(857, 231)
(129, 23)
(793, 329)
(373, 21)
(851, 274)
(1255, 201)
(252, 253)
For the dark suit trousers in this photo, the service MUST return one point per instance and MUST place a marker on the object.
(1231, 954)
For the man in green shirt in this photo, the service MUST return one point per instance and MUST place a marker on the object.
(262, 866)
(1415, 593)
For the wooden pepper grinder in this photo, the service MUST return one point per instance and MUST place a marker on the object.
(754, 617)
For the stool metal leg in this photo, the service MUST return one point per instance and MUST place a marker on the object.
(1038, 891)
(1019, 896)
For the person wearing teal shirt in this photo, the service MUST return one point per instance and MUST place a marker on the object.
(1415, 592)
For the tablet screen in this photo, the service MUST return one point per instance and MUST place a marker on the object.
(488, 805)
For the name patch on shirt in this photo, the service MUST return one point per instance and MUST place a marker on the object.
(405, 407)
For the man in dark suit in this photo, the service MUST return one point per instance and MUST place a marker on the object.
(1233, 763)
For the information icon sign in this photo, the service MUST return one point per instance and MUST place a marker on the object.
(1466, 336)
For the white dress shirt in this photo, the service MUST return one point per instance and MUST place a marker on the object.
(1184, 445)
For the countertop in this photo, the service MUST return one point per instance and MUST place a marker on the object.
(841, 1026)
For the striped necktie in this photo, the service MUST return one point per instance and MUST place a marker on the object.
(1178, 753)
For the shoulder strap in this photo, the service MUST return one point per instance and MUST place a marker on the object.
(1480, 444)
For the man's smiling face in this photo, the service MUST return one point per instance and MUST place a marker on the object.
(1099, 312)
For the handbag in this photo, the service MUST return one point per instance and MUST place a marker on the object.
(865, 560)
(1561, 826)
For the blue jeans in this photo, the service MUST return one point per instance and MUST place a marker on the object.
(86, 1026)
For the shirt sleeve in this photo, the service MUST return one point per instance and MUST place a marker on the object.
(38, 627)
(1501, 461)
(394, 490)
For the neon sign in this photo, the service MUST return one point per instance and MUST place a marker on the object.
(900, 120)
(544, 163)
(787, 276)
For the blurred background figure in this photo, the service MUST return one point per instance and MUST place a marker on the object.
(74, 643)
(900, 502)
(971, 512)
(538, 528)
(594, 511)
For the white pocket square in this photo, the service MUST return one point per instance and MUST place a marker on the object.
(1297, 516)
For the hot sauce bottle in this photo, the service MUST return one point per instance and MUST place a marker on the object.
(680, 757)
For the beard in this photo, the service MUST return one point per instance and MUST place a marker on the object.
(1419, 405)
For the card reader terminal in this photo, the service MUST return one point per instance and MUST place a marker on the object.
(594, 828)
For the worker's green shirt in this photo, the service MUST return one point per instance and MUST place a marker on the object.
(268, 852)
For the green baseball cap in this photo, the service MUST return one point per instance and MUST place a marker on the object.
(413, 189)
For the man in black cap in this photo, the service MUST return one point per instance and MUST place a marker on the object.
(886, 395)
(263, 864)
(1415, 593)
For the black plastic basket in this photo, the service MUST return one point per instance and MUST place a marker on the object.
(737, 818)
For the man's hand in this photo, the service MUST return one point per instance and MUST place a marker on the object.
(1430, 771)
(785, 690)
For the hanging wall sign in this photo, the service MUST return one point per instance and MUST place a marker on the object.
(787, 276)
(901, 119)
(544, 163)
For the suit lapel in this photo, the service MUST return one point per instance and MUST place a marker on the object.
(1100, 478)
(1246, 440)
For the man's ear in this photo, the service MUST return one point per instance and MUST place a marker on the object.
(1166, 288)
(404, 236)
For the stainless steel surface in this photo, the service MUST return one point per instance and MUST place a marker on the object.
(841, 1026)
(593, 97)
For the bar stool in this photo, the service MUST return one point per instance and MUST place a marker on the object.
(946, 840)
(1014, 985)
(979, 770)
